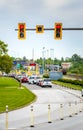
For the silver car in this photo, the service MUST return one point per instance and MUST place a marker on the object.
(46, 83)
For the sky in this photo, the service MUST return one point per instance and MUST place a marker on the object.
(47, 13)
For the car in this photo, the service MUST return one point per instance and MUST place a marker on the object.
(40, 82)
(38, 78)
(31, 79)
(82, 92)
(18, 77)
(45, 83)
(24, 79)
(34, 79)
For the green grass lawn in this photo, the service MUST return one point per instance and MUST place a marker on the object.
(12, 95)
(68, 85)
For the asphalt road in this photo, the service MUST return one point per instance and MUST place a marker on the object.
(55, 96)
(73, 123)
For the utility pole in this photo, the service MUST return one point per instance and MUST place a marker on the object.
(43, 58)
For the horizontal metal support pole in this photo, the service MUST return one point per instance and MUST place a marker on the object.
(47, 29)
(72, 28)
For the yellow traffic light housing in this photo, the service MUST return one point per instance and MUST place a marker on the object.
(39, 29)
(58, 31)
(21, 31)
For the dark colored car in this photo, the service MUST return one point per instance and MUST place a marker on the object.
(24, 79)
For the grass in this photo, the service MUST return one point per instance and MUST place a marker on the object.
(12, 95)
(68, 85)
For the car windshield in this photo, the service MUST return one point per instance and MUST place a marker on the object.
(38, 77)
(32, 77)
(47, 80)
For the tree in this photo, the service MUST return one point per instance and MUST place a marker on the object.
(3, 48)
(76, 58)
(39, 61)
(5, 63)
(77, 64)
(5, 60)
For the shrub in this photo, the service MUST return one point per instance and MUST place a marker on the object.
(75, 82)
(46, 76)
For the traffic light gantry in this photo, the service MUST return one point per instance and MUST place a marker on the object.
(40, 29)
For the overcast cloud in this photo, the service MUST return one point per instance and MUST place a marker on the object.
(47, 12)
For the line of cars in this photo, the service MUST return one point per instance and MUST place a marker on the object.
(22, 78)
(34, 79)
(38, 80)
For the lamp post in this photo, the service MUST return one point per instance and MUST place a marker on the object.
(43, 58)
(52, 54)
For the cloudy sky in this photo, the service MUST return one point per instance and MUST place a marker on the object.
(45, 12)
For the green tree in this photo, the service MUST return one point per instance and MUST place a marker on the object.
(77, 64)
(5, 59)
(39, 61)
(3, 48)
(5, 63)
(76, 58)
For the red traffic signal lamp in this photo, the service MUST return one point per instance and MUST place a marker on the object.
(58, 31)
(39, 29)
(21, 31)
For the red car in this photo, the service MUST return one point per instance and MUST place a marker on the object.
(24, 79)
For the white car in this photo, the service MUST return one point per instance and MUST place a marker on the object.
(34, 79)
(38, 78)
(45, 83)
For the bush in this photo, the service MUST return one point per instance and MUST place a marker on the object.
(46, 76)
(75, 82)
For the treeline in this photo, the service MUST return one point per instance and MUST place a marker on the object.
(76, 63)
(75, 60)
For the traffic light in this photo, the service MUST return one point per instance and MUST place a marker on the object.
(39, 29)
(21, 31)
(58, 31)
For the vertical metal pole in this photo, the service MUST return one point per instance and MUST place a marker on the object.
(32, 117)
(49, 114)
(61, 112)
(20, 84)
(52, 54)
(70, 112)
(76, 108)
(43, 58)
(80, 105)
(6, 117)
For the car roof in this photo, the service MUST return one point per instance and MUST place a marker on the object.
(47, 79)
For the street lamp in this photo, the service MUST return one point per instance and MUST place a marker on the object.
(43, 57)
(52, 54)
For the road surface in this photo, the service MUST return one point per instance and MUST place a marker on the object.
(55, 96)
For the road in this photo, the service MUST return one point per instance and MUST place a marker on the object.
(74, 123)
(55, 96)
